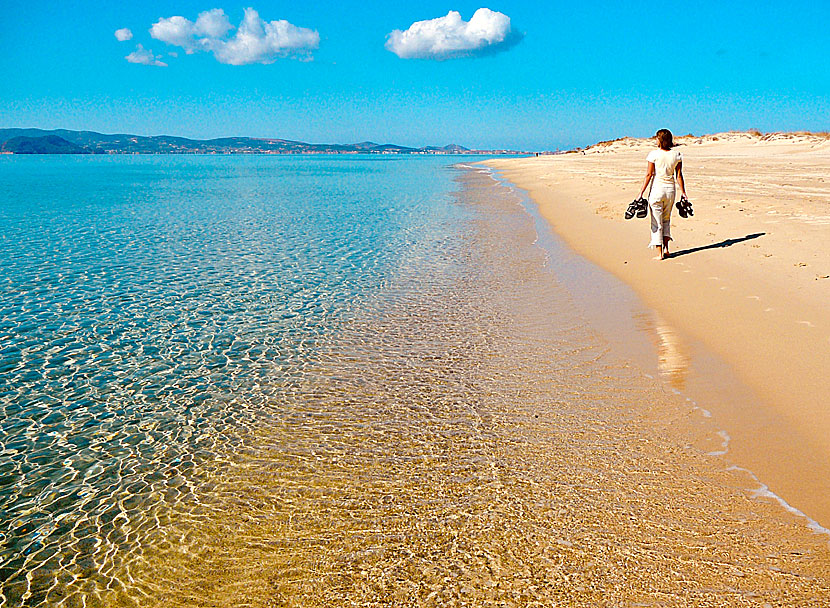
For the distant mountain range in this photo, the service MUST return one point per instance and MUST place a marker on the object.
(63, 141)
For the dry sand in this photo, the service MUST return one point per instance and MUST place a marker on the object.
(749, 278)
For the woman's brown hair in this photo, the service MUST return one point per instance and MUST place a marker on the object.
(664, 139)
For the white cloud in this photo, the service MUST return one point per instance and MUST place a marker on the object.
(212, 24)
(255, 40)
(450, 36)
(144, 57)
(123, 34)
(177, 31)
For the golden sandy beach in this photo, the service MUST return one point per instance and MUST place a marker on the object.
(489, 449)
(749, 278)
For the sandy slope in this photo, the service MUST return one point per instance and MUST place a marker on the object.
(750, 277)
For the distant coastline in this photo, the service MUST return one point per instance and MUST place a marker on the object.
(64, 141)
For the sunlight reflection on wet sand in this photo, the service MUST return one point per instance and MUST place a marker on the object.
(672, 354)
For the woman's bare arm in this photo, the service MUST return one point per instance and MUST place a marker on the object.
(681, 182)
(647, 179)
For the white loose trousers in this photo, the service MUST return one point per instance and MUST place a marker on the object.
(660, 203)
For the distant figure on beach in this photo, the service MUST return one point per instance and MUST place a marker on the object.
(664, 167)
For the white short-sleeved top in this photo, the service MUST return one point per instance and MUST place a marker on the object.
(665, 162)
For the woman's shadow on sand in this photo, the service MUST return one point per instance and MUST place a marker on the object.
(721, 245)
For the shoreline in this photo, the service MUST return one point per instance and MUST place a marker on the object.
(737, 285)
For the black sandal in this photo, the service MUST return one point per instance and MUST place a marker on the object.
(684, 207)
(633, 207)
(638, 207)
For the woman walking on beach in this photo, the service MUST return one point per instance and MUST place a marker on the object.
(664, 166)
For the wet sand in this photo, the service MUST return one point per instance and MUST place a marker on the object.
(749, 280)
(475, 442)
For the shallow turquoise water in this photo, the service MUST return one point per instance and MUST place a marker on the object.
(146, 304)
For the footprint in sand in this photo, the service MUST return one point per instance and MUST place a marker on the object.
(807, 323)
(754, 297)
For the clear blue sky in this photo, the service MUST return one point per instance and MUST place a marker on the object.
(582, 71)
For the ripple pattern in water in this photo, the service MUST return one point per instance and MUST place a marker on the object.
(144, 305)
(321, 382)
(466, 441)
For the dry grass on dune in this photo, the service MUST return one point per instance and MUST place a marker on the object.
(749, 136)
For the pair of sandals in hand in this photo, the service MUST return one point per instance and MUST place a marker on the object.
(639, 207)
(684, 207)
